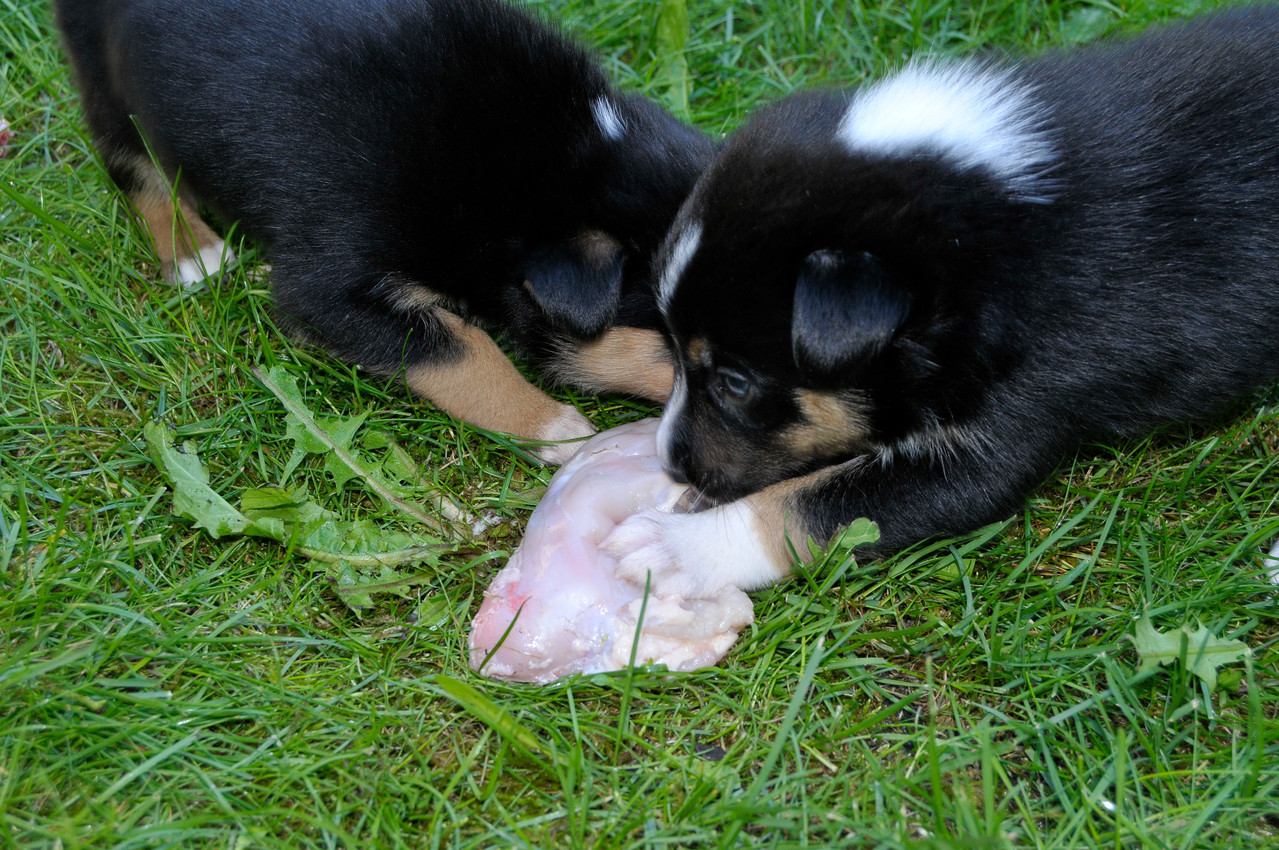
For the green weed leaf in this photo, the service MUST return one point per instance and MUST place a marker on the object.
(334, 437)
(360, 557)
(397, 464)
(858, 533)
(193, 498)
(672, 63)
(1199, 649)
(328, 436)
(292, 506)
(1086, 24)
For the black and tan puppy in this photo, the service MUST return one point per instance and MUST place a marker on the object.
(405, 163)
(908, 302)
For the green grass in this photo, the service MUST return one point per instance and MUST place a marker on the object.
(161, 689)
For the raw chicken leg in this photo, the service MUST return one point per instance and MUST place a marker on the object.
(574, 614)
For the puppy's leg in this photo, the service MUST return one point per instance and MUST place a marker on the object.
(328, 293)
(634, 361)
(942, 485)
(480, 385)
(395, 327)
(188, 249)
(948, 483)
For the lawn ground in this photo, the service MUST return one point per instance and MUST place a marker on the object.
(161, 688)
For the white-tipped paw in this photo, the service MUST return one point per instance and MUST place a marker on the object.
(647, 550)
(696, 556)
(569, 425)
(208, 263)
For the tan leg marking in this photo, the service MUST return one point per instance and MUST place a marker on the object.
(625, 360)
(775, 519)
(484, 388)
(188, 248)
(774, 523)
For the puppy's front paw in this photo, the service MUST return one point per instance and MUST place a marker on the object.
(647, 550)
(696, 556)
(209, 262)
(569, 425)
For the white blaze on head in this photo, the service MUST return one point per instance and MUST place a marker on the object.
(676, 261)
(670, 412)
(976, 117)
(607, 118)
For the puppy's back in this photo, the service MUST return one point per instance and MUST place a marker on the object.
(339, 89)
(1165, 224)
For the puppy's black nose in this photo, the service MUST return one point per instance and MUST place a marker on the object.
(677, 475)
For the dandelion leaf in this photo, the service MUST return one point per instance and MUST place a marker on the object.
(330, 436)
(361, 557)
(1201, 651)
(193, 498)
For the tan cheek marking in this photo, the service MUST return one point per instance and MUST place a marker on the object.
(484, 388)
(626, 360)
(413, 298)
(177, 234)
(832, 423)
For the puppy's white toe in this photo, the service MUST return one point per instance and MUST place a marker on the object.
(1271, 563)
(638, 547)
(569, 425)
(645, 554)
(211, 260)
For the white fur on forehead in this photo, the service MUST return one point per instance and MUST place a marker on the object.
(608, 118)
(676, 261)
(978, 117)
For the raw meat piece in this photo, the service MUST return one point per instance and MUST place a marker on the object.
(577, 616)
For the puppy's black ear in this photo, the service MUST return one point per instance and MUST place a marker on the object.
(846, 309)
(577, 283)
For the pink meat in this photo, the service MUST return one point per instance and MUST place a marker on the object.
(574, 614)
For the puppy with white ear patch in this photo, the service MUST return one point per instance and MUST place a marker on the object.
(417, 171)
(908, 302)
